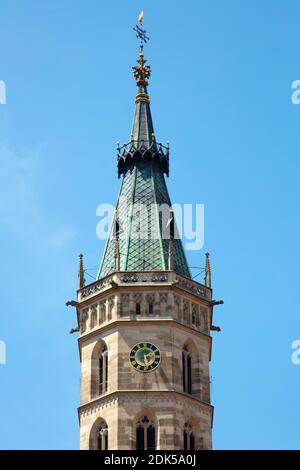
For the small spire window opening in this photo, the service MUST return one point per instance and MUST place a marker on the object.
(102, 439)
(186, 370)
(145, 434)
(137, 308)
(160, 222)
(171, 225)
(150, 308)
(103, 371)
(117, 228)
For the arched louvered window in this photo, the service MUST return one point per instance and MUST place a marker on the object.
(102, 437)
(145, 434)
(103, 370)
(188, 438)
(186, 370)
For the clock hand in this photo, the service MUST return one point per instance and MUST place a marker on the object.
(150, 354)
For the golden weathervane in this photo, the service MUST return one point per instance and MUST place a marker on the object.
(142, 71)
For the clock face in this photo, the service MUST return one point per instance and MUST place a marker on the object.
(145, 356)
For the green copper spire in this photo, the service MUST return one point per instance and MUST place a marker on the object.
(138, 233)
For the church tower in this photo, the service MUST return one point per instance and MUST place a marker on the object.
(144, 324)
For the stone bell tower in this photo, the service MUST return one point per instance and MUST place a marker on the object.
(144, 324)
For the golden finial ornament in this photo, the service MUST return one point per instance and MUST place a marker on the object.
(142, 71)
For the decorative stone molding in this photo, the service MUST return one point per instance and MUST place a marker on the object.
(203, 319)
(164, 305)
(124, 298)
(150, 297)
(137, 297)
(130, 278)
(98, 405)
(142, 277)
(194, 288)
(157, 277)
(163, 297)
(176, 400)
(95, 288)
(83, 317)
(93, 316)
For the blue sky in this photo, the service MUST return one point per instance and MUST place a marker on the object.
(221, 93)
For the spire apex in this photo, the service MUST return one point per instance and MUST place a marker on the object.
(143, 144)
(142, 130)
(141, 72)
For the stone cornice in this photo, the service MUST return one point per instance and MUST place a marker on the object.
(140, 395)
(150, 280)
(152, 321)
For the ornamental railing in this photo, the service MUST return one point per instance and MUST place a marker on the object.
(143, 150)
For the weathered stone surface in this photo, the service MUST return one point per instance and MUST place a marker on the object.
(181, 319)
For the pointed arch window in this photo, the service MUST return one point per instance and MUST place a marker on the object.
(102, 437)
(188, 438)
(186, 370)
(103, 370)
(145, 434)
